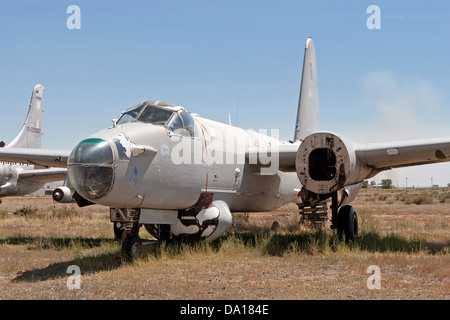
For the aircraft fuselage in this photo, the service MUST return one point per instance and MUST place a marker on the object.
(149, 166)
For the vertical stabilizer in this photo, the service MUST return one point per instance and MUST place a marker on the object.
(30, 135)
(308, 102)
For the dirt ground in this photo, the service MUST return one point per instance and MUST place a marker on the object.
(409, 258)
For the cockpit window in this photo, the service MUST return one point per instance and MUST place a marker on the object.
(154, 115)
(177, 120)
(175, 124)
(182, 124)
(188, 123)
(147, 114)
(130, 115)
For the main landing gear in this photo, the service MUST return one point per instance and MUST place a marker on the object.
(344, 219)
(314, 210)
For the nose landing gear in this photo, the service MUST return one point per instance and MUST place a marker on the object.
(131, 242)
(126, 229)
(132, 247)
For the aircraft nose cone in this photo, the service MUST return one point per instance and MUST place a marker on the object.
(90, 168)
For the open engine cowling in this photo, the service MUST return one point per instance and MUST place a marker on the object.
(325, 163)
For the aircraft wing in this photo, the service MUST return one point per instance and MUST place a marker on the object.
(43, 175)
(385, 156)
(284, 155)
(375, 157)
(42, 157)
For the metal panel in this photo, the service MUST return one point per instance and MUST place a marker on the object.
(152, 216)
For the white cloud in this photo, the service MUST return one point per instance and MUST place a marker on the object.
(403, 108)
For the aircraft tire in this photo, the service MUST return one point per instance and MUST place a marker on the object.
(131, 247)
(118, 231)
(347, 223)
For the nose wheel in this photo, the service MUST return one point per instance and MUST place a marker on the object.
(131, 243)
(131, 247)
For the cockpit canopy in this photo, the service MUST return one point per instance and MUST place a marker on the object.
(175, 118)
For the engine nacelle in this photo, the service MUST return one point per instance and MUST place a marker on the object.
(63, 195)
(207, 223)
(325, 163)
(8, 180)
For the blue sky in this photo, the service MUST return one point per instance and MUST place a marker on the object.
(241, 58)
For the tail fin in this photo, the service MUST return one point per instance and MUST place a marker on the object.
(308, 103)
(30, 135)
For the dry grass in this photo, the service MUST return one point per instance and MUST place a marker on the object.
(409, 242)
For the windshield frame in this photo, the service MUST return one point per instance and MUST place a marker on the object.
(128, 112)
(149, 113)
(187, 126)
(134, 114)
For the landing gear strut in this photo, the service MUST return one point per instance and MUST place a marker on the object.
(334, 210)
(118, 231)
(126, 229)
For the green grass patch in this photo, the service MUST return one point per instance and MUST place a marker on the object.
(312, 242)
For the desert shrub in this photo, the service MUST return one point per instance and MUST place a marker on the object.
(27, 211)
(402, 196)
(422, 199)
(64, 212)
(445, 197)
(240, 222)
(3, 214)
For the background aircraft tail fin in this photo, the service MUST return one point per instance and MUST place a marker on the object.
(308, 102)
(31, 132)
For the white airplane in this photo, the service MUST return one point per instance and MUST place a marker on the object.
(16, 180)
(180, 175)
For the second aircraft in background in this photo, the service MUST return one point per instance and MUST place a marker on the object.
(16, 180)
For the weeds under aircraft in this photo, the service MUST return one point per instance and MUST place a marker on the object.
(16, 180)
(180, 175)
